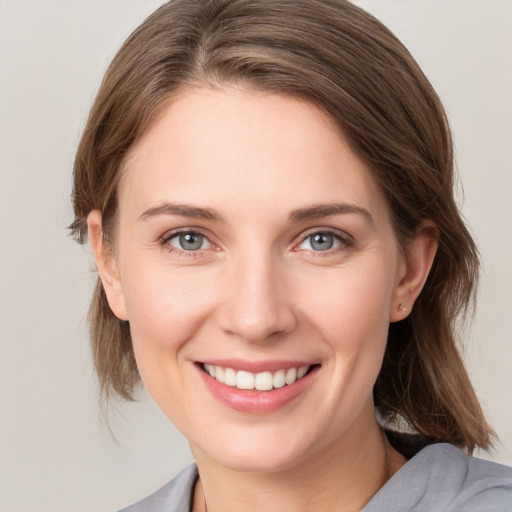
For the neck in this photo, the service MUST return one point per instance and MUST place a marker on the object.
(343, 476)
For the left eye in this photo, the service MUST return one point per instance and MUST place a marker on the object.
(321, 241)
(189, 241)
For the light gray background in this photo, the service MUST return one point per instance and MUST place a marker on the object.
(54, 454)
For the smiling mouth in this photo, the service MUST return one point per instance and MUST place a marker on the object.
(262, 381)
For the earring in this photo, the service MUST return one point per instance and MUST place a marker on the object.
(401, 307)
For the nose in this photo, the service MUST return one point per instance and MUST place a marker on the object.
(257, 305)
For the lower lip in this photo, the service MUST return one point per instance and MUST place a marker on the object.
(256, 402)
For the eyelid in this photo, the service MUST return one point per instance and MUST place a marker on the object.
(189, 229)
(164, 240)
(346, 239)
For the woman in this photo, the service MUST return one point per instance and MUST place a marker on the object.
(267, 187)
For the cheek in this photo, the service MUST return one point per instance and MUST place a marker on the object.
(352, 304)
(165, 309)
(351, 313)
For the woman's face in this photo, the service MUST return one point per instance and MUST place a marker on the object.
(253, 244)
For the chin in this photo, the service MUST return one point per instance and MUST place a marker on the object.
(251, 463)
(264, 453)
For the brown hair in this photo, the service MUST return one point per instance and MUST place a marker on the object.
(344, 61)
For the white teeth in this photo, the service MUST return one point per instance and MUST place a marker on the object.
(301, 371)
(230, 377)
(244, 380)
(263, 381)
(291, 376)
(219, 373)
(279, 379)
(210, 369)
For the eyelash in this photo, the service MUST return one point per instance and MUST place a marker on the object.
(345, 240)
(164, 241)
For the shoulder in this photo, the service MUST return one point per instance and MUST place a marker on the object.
(172, 497)
(469, 483)
(442, 477)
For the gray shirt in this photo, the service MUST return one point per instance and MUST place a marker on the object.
(440, 478)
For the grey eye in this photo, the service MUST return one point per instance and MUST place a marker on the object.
(189, 241)
(321, 241)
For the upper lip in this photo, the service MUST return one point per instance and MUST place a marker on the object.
(257, 366)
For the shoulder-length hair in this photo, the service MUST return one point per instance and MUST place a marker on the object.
(341, 59)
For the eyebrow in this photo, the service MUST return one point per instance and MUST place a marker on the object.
(185, 210)
(325, 210)
(298, 215)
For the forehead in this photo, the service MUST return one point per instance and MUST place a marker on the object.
(241, 148)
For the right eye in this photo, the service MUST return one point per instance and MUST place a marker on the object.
(188, 241)
(321, 241)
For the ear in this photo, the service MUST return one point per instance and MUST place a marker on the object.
(420, 253)
(106, 264)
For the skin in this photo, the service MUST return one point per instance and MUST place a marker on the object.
(257, 290)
